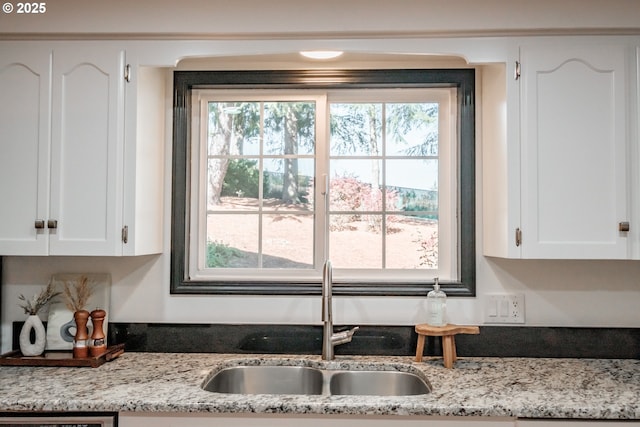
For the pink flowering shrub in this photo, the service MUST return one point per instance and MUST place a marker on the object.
(358, 200)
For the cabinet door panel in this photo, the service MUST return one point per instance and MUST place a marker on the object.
(24, 142)
(574, 143)
(87, 152)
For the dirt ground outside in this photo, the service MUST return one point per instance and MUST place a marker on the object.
(288, 238)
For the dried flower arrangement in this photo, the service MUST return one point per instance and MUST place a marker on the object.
(77, 294)
(35, 304)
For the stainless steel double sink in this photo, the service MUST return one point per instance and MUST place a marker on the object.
(305, 380)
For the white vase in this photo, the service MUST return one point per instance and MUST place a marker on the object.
(27, 347)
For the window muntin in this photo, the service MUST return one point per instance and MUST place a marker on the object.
(385, 157)
(186, 82)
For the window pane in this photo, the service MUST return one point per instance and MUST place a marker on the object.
(355, 185)
(232, 241)
(355, 241)
(244, 176)
(411, 242)
(288, 241)
(240, 180)
(412, 129)
(356, 129)
(415, 184)
(288, 182)
(409, 185)
(233, 128)
(289, 128)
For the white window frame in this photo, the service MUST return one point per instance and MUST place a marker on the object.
(447, 184)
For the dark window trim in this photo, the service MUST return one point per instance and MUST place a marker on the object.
(185, 81)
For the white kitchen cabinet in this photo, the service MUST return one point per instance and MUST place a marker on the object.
(73, 190)
(563, 188)
(143, 190)
(500, 159)
(25, 141)
(87, 150)
(285, 420)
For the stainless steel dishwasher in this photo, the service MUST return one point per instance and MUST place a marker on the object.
(58, 419)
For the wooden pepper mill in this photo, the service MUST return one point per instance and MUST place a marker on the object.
(97, 343)
(80, 348)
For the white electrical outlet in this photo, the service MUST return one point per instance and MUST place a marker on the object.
(504, 308)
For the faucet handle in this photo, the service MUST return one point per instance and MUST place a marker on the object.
(343, 337)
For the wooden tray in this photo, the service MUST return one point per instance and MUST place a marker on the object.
(60, 358)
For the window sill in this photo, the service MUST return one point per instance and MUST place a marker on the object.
(453, 289)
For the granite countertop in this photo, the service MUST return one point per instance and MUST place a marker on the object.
(170, 382)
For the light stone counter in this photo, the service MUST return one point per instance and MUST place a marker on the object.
(169, 382)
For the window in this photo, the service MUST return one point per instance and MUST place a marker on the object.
(274, 172)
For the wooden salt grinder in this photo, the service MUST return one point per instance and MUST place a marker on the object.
(97, 344)
(80, 348)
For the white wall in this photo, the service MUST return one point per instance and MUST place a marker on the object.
(557, 293)
(223, 18)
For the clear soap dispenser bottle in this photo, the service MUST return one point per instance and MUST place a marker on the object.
(436, 306)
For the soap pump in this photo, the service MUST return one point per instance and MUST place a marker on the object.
(436, 306)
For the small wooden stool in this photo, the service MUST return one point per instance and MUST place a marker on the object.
(448, 333)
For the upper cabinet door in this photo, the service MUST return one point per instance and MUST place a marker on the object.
(574, 142)
(24, 149)
(87, 151)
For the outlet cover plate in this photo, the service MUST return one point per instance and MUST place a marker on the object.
(504, 308)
